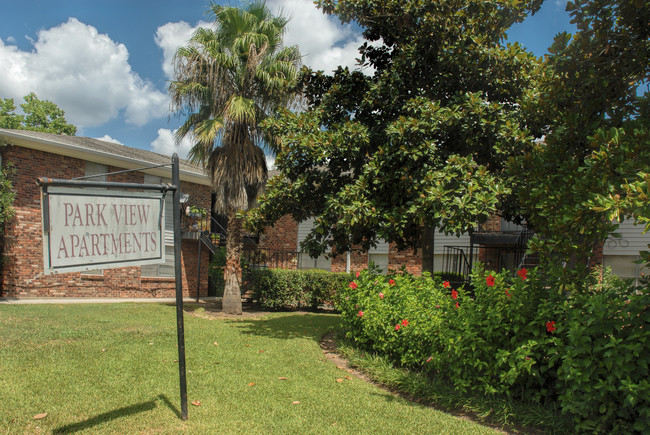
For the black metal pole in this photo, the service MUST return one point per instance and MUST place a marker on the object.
(180, 329)
(198, 273)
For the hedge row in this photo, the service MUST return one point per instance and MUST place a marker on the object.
(279, 289)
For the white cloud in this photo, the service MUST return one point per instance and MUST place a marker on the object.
(84, 72)
(107, 138)
(324, 42)
(165, 144)
(170, 36)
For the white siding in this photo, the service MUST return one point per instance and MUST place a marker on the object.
(631, 242)
(440, 241)
(306, 262)
(381, 248)
(620, 253)
(165, 269)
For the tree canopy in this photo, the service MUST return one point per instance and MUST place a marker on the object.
(38, 115)
(423, 141)
(597, 143)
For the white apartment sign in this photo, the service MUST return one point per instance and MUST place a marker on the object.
(87, 229)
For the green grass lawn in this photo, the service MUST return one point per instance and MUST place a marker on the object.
(112, 369)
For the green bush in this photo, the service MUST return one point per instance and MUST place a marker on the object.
(586, 350)
(280, 289)
(604, 375)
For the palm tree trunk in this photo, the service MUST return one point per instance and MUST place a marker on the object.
(232, 273)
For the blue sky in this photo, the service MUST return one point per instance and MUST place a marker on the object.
(107, 62)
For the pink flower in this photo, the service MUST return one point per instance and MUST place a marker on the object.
(357, 275)
(446, 284)
(489, 280)
(405, 322)
(353, 285)
(360, 314)
(523, 273)
(397, 327)
(391, 282)
(381, 295)
(437, 306)
(454, 294)
(429, 359)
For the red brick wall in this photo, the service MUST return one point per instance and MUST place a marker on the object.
(284, 236)
(22, 274)
(281, 236)
(408, 258)
(358, 261)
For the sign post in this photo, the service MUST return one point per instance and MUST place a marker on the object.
(86, 226)
(180, 328)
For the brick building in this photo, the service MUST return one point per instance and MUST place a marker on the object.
(497, 243)
(34, 155)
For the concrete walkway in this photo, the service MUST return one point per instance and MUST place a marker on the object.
(13, 301)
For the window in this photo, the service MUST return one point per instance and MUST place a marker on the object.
(379, 256)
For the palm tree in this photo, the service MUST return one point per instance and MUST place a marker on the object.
(228, 79)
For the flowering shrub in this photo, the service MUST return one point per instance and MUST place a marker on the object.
(478, 341)
(514, 335)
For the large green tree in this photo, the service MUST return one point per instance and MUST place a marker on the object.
(419, 144)
(596, 152)
(38, 115)
(227, 81)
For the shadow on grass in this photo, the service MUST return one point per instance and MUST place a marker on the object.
(290, 326)
(115, 414)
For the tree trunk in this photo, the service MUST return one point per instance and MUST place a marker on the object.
(428, 237)
(232, 273)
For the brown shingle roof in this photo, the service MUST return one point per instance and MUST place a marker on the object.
(108, 149)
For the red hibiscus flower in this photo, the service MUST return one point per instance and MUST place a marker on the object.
(489, 280)
(454, 294)
(523, 273)
(381, 295)
(550, 326)
(357, 275)
(391, 282)
(508, 294)
(405, 322)
(457, 306)
(446, 284)
(397, 327)
(353, 285)
(360, 314)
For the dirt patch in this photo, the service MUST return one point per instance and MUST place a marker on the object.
(328, 344)
(212, 310)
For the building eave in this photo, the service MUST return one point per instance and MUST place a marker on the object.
(70, 150)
